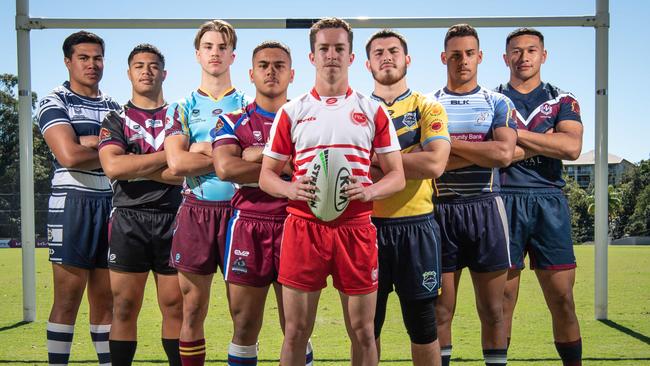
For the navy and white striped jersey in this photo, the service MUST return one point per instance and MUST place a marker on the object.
(473, 117)
(84, 115)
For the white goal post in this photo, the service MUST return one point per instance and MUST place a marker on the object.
(25, 23)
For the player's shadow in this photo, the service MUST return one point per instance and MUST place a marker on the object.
(12, 326)
(631, 332)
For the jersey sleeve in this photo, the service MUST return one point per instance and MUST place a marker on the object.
(52, 111)
(280, 145)
(224, 131)
(385, 139)
(112, 131)
(433, 123)
(505, 114)
(176, 120)
(569, 109)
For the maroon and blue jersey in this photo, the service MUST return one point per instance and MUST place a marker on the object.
(249, 127)
(139, 131)
(538, 111)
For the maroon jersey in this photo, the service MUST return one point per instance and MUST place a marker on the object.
(139, 131)
(249, 127)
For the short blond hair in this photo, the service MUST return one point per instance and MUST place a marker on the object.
(217, 25)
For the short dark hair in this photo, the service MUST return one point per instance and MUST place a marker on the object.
(220, 26)
(272, 44)
(327, 23)
(524, 31)
(387, 33)
(461, 30)
(80, 37)
(146, 48)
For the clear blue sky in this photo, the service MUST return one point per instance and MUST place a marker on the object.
(570, 64)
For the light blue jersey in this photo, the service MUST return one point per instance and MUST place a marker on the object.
(195, 116)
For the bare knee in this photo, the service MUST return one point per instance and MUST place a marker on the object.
(125, 310)
(444, 314)
(562, 305)
(491, 314)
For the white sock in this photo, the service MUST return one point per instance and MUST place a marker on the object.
(99, 334)
(59, 342)
(242, 355)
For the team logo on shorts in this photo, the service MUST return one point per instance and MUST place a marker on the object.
(239, 265)
(429, 280)
(177, 258)
(374, 275)
(112, 257)
(257, 135)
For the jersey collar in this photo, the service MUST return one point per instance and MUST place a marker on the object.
(226, 93)
(314, 94)
(402, 96)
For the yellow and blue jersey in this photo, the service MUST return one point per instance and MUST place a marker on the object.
(418, 120)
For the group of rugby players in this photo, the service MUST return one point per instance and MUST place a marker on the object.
(489, 160)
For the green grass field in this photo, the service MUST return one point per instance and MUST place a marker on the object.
(623, 340)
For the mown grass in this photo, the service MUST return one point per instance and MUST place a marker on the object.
(622, 340)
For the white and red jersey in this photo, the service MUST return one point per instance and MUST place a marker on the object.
(353, 123)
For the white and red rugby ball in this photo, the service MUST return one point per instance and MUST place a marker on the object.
(330, 172)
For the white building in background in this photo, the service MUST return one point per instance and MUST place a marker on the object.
(582, 169)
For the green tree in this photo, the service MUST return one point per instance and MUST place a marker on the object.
(582, 223)
(634, 203)
(10, 167)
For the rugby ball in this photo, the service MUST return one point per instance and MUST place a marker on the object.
(330, 172)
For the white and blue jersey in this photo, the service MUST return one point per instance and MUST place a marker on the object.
(84, 114)
(472, 117)
(195, 117)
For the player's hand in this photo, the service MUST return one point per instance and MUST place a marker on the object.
(301, 190)
(356, 191)
(204, 148)
(253, 154)
(90, 141)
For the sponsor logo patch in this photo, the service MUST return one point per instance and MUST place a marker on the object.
(195, 112)
(216, 112)
(330, 101)
(359, 118)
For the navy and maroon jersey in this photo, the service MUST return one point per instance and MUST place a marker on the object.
(249, 127)
(139, 131)
(472, 117)
(539, 111)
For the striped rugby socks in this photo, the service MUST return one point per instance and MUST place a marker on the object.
(242, 355)
(192, 352)
(59, 342)
(495, 357)
(309, 354)
(445, 352)
(99, 334)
